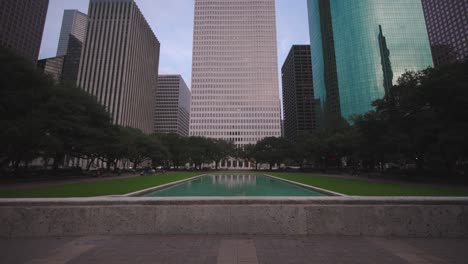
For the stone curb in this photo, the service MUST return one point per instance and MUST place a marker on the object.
(310, 187)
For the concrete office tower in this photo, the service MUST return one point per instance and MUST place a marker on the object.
(172, 111)
(235, 71)
(298, 93)
(22, 25)
(73, 24)
(52, 67)
(119, 62)
(71, 63)
(360, 48)
(447, 25)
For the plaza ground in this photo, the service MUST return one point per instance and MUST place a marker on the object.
(233, 250)
(121, 186)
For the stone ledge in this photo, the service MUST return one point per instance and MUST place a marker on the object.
(354, 216)
(322, 200)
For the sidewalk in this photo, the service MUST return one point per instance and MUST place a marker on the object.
(232, 249)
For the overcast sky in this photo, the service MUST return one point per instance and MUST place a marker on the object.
(172, 22)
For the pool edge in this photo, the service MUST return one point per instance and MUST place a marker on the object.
(309, 187)
(159, 187)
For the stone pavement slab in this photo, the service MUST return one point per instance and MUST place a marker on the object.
(233, 249)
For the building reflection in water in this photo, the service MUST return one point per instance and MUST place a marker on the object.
(234, 180)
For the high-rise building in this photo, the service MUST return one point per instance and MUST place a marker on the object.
(298, 92)
(172, 110)
(71, 63)
(22, 25)
(235, 93)
(119, 63)
(360, 48)
(52, 67)
(447, 25)
(73, 24)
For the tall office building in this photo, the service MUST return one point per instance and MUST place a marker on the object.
(360, 48)
(65, 68)
(447, 25)
(71, 63)
(73, 24)
(172, 112)
(52, 67)
(119, 62)
(298, 92)
(235, 93)
(22, 25)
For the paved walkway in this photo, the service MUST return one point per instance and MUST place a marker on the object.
(232, 250)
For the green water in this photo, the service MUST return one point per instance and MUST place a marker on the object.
(234, 185)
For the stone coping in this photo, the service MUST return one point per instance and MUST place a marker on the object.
(306, 186)
(160, 187)
(150, 201)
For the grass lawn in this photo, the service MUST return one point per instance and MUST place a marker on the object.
(97, 188)
(368, 188)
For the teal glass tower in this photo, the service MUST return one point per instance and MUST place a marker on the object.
(360, 49)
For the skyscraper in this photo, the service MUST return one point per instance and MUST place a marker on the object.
(235, 75)
(447, 25)
(52, 67)
(172, 111)
(21, 26)
(119, 62)
(71, 63)
(298, 92)
(73, 24)
(360, 48)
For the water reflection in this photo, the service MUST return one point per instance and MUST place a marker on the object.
(233, 180)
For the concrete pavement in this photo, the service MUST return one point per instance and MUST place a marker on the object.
(232, 250)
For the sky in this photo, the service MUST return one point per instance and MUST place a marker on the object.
(172, 23)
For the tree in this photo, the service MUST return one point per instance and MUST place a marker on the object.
(272, 150)
(423, 119)
(220, 149)
(176, 146)
(198, 149)
(23, 90)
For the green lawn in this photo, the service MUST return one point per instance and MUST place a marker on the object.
(124, 186)
(367, 188)
(97, 188)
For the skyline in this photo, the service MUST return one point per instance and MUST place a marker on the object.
(172, 23)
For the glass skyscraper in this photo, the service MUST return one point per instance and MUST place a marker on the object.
(360, 49)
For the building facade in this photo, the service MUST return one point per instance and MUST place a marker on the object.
(360, 48)
(52, 67)
(447, 25)
(71, 63)
(235, 93)
(172, 107)
(119, 62)
(22, 25)
(74, 24)
(298, 93)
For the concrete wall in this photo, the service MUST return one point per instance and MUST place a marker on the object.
(401, 217)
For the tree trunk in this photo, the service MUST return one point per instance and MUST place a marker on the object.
(90, 164)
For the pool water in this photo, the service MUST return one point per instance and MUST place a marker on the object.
(234, 185)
